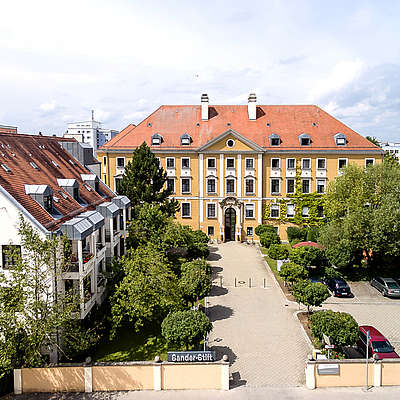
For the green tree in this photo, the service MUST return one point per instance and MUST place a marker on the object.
(147, 292)
(296, 234)
(144, 181)
(186, 327)
(341, 327)
(311, 294)
(32, 312)
(264, 228)
(195, 282)
(364, 213)
(268, 238)
(291, 273)
(373, 140)
(306, 256)
(278, 251)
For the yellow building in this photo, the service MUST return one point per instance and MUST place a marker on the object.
(233, 167)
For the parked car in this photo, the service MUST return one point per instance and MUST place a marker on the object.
(387, 286)
(338, 287)
(378, 345)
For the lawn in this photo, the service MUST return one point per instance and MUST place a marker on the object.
(132, 346)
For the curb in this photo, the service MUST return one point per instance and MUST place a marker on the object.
(295, 316)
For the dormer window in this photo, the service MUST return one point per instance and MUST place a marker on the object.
(304, 139)
(186, 139)
(340, 139)
(156, 139)
(274, 139)
(70, 186)
(43, 195)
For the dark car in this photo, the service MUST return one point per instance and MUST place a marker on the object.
(387, 286)
(378, 344)
(338, 287)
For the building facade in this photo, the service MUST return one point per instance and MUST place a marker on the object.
(90, 132)
(8, 129)
(42, 182)
(392, 148)
(233, 167)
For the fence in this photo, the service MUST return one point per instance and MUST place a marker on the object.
(333, 373)
(123, 376)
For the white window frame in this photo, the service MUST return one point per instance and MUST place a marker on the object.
(250, 207)
(190, 186)
(341, 159)
(324, 185)
(308, 211)
(309, 185)
(294, 210)
(279, 163)
(226, 185)
(254, 186)
(215, 180)
(190, 209)
(215, 210)
(279, 186)
(245, 163)
(287, 163)
(155, 141)
(215, 162)
(173, 179)
(234, 163)
(185, 158)
(302, 162)
(116, 162)
(369, 159)
(319, 168)
(341, 139)
(166, 162)
(275, 207)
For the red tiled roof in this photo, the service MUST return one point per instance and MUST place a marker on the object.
(17, 151)
(287, 121)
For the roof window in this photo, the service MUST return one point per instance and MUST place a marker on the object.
(304, 139)
(340, 139)
(274, 139)
(33, 165)
(55, 164)
(4, 166)
(71, 162)
(186, 139)
(156, 139)
(43, 195)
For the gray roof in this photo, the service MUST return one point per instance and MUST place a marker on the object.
(67, 182)
(121, 201)
(95, 218)
(108, 209)
(77, 228)
(38, 189)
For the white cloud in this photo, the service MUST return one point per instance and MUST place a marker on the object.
(46, 107)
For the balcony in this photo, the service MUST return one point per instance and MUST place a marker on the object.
(101, 251)
(72, 266)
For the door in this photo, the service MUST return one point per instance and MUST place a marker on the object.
(230, 224)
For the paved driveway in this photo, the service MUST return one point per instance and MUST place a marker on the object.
(254, 325)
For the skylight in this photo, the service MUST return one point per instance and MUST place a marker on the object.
(4, 166)
(33, 165)
(71, 162)
(55, 164)
(62, 194)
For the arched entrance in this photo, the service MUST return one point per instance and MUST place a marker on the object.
(230, 224)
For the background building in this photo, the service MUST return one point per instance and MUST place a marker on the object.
(90, 132)
(8, 129)
(392, 148)
(233, 166)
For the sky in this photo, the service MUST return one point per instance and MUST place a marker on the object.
(125, 58)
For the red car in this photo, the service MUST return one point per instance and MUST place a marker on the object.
(378, 344)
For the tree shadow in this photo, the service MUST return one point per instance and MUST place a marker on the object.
(236, 380)
(218, 312)
(213, 256)
(222, 351)
(217, 291)
(215, 269)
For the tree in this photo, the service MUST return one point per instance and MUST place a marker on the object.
(32, 311)
(292, 272)
(306, 256)
(311, 294)
(268, 238)
(296, 234)
(195, 282)
(144, 181)
(147, 292)
(186, 327)
(341, 327)
(364, 213)
(278, 252)
(373, 140)
(264, 228)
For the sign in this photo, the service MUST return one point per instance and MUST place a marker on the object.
(329, 346)
(326, 339)
(191, 356)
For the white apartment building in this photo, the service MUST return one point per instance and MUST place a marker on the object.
(90, 132)
(392, 148)
(58, 195)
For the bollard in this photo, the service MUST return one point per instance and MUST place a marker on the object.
(235, 282)
(264, 283)
(249, 282)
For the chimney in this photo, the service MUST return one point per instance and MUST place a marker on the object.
(251, 107)
(204, 107)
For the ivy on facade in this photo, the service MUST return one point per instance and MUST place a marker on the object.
(313, 201)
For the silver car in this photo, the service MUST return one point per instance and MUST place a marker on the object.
(387, 286)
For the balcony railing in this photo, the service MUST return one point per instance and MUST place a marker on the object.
(108, 237)
(99, 246)
(86, 257)
(72, 266)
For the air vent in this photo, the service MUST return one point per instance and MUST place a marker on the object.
(55, 164)
(268, 124)
(56, 199)
(198, 124)
(33, 165)
(228, 124)
(4, 166)
(149, 124)
(88, 188)
(14, 155)
(314, 124)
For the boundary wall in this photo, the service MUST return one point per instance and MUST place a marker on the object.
(122, 376)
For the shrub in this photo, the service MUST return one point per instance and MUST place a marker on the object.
(341, 327)
(312, 234)
(278, 251)
(185, 327)
(331, 272)
(294, 233)
(311, 294)
(291, 272)
(307, 256)
(263, 229)
(268, 238)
